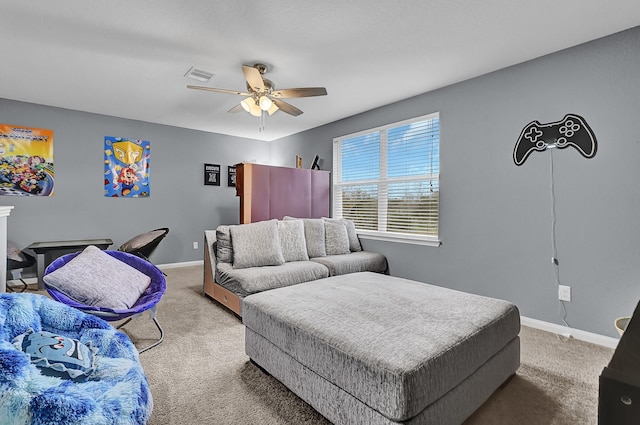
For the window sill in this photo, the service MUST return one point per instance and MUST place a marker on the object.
(399, 238)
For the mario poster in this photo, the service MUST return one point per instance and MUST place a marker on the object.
(26, 161)
(126, 167)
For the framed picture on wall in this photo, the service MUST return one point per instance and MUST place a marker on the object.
(26, 161)
(212, 174)
(231, 177)
(127, 165)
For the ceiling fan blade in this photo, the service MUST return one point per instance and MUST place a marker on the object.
(241, 93)
(287, 107)
(237, 108)
(253, 77)
(300, 92)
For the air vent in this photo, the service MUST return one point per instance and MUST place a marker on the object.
(198, 74)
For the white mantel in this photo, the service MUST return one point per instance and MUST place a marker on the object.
(4, 213)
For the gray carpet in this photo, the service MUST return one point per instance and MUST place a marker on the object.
(201, 375)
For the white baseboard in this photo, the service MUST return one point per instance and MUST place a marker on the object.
(176, 265)
(591, 337)
(31, 280)
(605, 341)
(16, 282)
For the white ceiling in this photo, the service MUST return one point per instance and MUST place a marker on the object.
(128, 58)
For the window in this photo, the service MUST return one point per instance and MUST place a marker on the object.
(387, 180)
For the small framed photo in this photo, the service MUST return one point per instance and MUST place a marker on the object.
(212, 174)
(231, 177)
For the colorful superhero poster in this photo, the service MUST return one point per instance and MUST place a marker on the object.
(26, 161)
(126, 167)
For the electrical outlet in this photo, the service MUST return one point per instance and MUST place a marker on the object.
(564, 293)
(195, 245)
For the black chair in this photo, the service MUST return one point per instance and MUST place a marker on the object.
(17, 259)
(144, 244)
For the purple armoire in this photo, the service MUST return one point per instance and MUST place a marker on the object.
(268, 192)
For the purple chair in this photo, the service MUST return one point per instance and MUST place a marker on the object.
(147, 301)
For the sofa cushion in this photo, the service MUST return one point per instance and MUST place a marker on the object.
(292, 241)
(256, 244)
(314, 236)
(224, 249)
(95, 278)
(354, 241)
(336, 239)
(354, 262)
(243, 282)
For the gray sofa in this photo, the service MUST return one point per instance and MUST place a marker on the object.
(245, 259)
(381, 350)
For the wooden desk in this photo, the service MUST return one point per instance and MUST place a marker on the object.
(48, 251)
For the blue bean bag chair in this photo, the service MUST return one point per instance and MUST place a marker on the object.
(61, 366)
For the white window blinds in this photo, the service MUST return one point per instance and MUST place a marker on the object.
(386, 179)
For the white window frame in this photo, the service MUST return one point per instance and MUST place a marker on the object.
(383, 180)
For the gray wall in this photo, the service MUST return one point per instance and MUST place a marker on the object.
(179, 200)
(495, 216)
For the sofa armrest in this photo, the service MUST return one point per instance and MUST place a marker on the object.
(209, 256)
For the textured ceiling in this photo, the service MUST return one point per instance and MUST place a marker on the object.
(128, 58)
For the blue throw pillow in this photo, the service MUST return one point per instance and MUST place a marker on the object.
(56, 353)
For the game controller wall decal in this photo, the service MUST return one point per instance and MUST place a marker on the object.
(572, 130)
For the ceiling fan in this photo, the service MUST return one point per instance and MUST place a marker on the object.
(261, 95)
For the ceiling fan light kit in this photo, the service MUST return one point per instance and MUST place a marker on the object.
(274, 108)
(261, 96)
(265, 103)
(249, 104)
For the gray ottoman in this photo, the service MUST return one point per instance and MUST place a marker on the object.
(368, 348)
